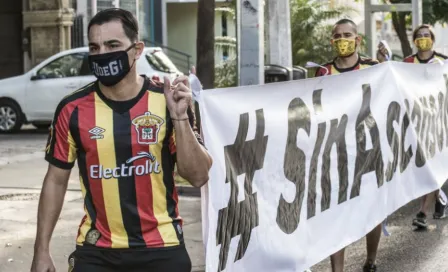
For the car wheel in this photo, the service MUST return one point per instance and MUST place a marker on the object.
(10, 117)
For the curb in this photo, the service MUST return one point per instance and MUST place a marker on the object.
(185, 190)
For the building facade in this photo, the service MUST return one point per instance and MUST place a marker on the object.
(179, 27)
(32, 30)
(141, 9)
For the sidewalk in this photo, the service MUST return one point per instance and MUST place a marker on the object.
(19, 192)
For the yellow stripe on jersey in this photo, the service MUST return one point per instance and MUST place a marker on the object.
(85, 227)
(106, 156)
(334, 71)
(157, 106)
(363, 66)
(71, 149)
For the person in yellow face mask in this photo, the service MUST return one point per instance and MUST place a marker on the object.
(424, 40)
(346, 41)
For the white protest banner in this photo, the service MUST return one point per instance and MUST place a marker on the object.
(304, 168)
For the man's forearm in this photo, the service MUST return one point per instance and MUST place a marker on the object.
(193, 161)
(50, 206)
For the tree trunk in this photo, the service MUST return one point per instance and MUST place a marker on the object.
(399, 22)
(206, 43)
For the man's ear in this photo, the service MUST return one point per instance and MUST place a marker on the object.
(139, 47)
(358, 40)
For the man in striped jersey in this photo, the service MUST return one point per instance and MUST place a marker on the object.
(424, 39)
(126, 132)
(345, 42)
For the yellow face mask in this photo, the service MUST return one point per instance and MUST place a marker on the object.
(344, 47)
(424, 44)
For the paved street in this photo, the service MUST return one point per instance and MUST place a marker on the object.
(28, 141)
(22, 169)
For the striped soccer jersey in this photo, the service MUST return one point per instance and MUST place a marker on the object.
(126, 158)
(415, 59)
(333, 69)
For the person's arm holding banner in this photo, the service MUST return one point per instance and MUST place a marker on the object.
(193, 161)
(384, 52)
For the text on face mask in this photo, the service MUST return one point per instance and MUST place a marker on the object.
(112, 69)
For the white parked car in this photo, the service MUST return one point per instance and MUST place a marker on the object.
(34, 96)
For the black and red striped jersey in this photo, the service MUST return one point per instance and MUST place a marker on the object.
(332, 69)
(415, 58)
(126, 159)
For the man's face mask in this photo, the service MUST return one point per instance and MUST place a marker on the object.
(111, 68)
(424, 44)
(344, 47)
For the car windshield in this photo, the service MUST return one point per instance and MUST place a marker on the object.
(160, 62)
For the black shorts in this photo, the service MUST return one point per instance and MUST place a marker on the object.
(88, 259)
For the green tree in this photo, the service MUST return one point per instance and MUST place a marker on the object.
(310, 32)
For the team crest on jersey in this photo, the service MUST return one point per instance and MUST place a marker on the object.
(147, 127)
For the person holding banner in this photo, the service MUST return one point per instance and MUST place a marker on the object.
(345, 42)
(424, 39)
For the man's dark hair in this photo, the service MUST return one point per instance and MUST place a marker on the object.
(414, 34)
(130, 24)
(347, 21)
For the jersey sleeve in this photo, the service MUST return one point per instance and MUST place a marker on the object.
(61, 148)
(440, 56)
(194, 127)
(319, 72)
(323, 70)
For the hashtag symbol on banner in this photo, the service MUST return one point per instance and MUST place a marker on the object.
(240, 218)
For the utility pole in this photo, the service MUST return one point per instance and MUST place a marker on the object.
(280, 47)
(250, 37)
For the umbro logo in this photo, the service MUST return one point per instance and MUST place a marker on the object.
(97, 133)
